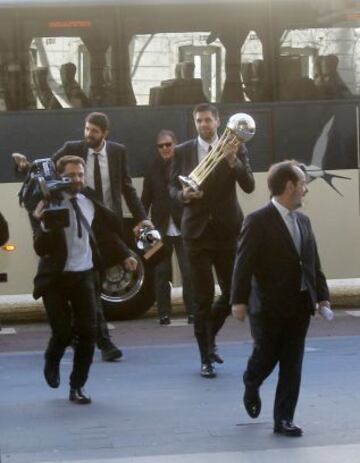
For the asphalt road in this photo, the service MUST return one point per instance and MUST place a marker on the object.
(154, 407)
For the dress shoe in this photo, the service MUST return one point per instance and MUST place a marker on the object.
(79, 396)
(287, 428)
(207, 371)
(110, 353)
(165, 320)
(215, 357)
(191, 319)
(252, 402)
(52, 373)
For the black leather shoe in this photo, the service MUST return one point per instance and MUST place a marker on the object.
(110, 353)
(207, 371)
(52, 373)
(287, 428)
(79, 396)
(165, 320)
(215, 357)
(252, 402)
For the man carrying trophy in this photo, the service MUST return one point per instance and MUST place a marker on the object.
(203, 178)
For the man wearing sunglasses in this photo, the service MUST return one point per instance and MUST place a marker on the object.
(166, 215)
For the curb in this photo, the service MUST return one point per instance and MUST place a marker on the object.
(23, 308)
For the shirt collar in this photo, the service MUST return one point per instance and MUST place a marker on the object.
(67, 196)
(205, 145)
(283, 211)
(102, 152)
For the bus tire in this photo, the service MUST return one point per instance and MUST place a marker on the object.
(138, 304)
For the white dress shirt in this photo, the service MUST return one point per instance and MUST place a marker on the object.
(285, 215)
(104, 171)
(79, 257)
(203, 147)
(172, 228)
(284, 212)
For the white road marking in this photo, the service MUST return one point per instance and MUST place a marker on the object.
(178, 322)
(311, 349)
(7, 331)
(353, 313)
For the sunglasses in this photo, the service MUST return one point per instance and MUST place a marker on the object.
(167, 145)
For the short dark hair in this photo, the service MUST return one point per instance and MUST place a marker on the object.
(280, 173)
(99, 119)
(202, 107)
(65, 160)
(167, 133)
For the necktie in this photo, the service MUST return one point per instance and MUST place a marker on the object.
(78, 215)
(97, 178)
(295, 231)
(210, 148)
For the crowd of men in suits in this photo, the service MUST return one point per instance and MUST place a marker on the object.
(270, 270)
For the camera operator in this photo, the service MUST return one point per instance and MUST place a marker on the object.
(70, 259)
(4, 230)
(107, 173)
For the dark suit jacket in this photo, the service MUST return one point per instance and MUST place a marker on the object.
(156, 197)
(107, 251)
(4, 230)
(269, 269)
(120, 180)
(219, 203)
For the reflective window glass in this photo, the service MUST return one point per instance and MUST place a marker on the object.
(321, 63)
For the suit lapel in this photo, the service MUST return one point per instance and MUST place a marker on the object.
(282, 229)
(84, 150)
(303, 231)
(194, 156)
(113, 170)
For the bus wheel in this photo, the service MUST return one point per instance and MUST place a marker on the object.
(127, 295)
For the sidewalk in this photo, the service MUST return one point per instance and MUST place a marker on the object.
(23, 308)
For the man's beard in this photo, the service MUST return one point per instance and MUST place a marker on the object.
(74, 189)
(91, 143)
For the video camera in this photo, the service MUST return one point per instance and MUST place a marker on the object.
(43, 182)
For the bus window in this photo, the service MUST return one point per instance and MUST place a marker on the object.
(253, 73)
(173, 68)
(318, 64)
(59, 71)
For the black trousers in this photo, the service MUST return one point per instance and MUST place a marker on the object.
(163, 276)
(280, 341)
(70, 304)
(204, 255)
(102, 331)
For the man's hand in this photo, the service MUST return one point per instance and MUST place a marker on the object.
(130, 264)
(230, 151)
(38, 212)
(325, 310)
(324, 304)
(239, 311)
(21, 161)
(146, 223)
(189, 194)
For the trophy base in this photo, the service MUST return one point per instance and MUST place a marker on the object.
(188, 182)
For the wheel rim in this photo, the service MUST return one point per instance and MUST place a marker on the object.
(120, 285)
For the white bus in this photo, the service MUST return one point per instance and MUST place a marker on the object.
(294, 65)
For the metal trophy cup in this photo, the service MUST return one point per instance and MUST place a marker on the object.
(240, 128)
